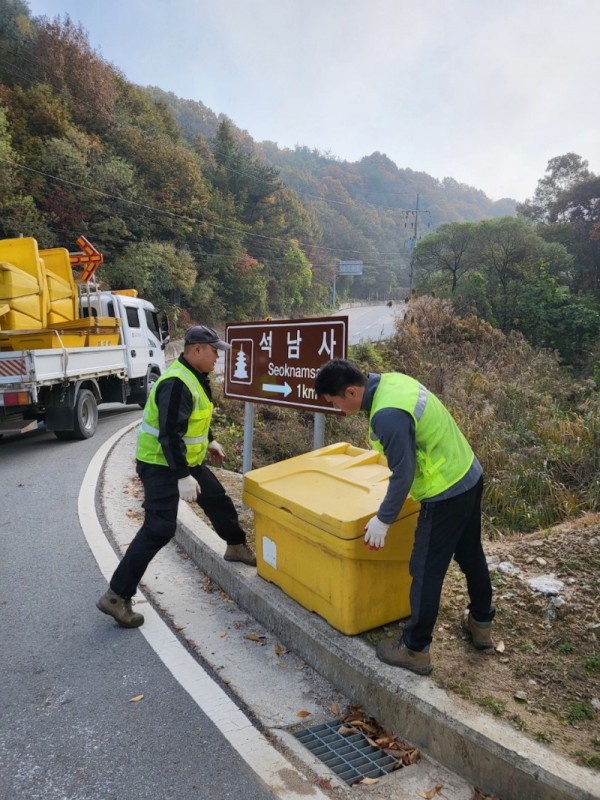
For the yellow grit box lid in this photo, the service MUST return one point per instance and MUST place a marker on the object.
(336, 488)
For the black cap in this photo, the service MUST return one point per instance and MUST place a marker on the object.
(202, 334)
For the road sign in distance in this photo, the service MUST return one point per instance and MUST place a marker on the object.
(276, 361)
(350, 268)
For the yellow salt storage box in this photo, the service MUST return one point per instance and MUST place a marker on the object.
(23, 289)
(310, 512)
(62, 291)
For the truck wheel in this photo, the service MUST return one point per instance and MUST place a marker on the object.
(85, 417)
(85, 420)
(149, 383)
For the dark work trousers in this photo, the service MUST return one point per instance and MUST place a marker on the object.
(446, 529)
(161, 500)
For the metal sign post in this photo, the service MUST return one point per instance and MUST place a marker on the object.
(248, 437)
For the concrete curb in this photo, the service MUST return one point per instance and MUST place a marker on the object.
(482, 750)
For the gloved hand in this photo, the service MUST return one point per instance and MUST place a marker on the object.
(216, 453)
(189, 488)
(375, 532)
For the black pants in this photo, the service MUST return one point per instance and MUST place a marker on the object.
(447, 529)
(161, 501)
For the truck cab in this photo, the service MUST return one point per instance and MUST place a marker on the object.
(144, 337)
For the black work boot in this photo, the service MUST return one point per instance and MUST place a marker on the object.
(399, 655)
(480, 632)
(120, 609)
(240, 552)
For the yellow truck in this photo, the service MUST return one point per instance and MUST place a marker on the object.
(65, 345)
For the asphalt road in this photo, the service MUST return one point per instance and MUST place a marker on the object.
(68, 730)
(372, 323)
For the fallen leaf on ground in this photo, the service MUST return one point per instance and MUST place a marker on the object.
(280, 650)
(303, 714)
(384, 741)
(136, 699)
(411, 756)
(254, 637)
(335, 709)
(358, 723)
(431, 793)
(367, 781)
(345, 730)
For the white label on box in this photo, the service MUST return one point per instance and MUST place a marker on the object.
(269, 552)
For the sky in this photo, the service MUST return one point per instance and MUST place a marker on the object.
(482, 91)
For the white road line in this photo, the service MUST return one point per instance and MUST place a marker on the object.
(269, 764)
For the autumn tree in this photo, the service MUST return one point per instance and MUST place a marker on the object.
(18, 214)
(450, 249)
(16, 37)
(566, 210)
(65, 60)
(562, 173)
(158, 270)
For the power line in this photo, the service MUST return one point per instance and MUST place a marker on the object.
(173, 215)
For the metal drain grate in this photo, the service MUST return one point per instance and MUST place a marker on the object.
(350, 757)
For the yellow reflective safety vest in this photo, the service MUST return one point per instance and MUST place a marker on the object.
(196, 435)
(444, 456)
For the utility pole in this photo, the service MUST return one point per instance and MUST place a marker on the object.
(412, 251)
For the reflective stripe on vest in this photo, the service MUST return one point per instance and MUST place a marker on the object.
(187, 439)
(196, 436)
(443, 454)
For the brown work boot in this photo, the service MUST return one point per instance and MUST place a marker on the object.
(398, 655)
(240, 552)
(480, 632)
(120, 609)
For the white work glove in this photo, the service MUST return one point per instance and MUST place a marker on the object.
(189, 488)
(216, 453)
(375, 532)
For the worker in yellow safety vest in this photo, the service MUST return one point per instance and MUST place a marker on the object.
(430, 460)
(173, 444)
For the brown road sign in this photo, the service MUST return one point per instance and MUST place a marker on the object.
(276, 361)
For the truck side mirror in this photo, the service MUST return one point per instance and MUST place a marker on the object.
(165, 336)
